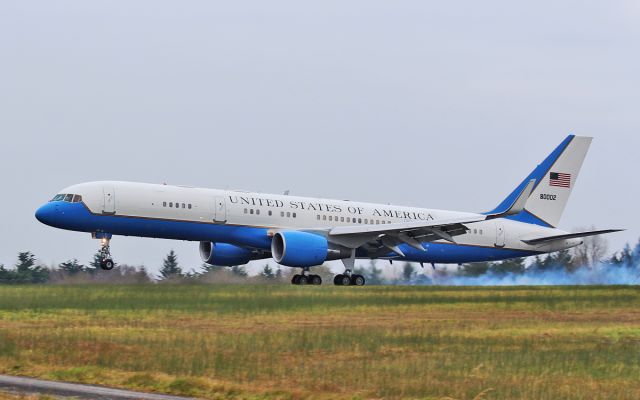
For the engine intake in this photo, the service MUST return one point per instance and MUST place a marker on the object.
(224, 254)
(304, 249)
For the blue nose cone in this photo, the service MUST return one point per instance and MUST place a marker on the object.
(47, 214)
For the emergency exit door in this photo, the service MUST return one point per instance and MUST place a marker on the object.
(220, 210)
(109, 200)
(500, 234)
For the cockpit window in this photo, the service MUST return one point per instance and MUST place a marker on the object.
(70, 198)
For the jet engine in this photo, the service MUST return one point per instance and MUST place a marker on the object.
(304, 249)
(224, 254)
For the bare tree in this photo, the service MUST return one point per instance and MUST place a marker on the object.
(591, 251)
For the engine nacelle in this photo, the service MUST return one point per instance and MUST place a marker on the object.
(304, 249)
(224, 254)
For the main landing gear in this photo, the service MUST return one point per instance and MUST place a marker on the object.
(348, 279)
(106, 262)
(306, 279)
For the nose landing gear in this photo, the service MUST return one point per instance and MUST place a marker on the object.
(106, 262)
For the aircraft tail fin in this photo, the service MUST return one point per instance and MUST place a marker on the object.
(554, 178)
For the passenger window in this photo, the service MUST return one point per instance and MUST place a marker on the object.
(294, 215)
(341, 219)
(366, 221)
(288, 214)
(189, 206)
(246, 211)
(330, 217)
(475, 231)
(257, 212)
(383, 222)
(270, 213)
(481, 231)
(170, 204)
(359, 220)
(184, 205)
(164, 204)
(318, 217)
(324, 217)
(348, 219)
(251, 211)
(282, 213)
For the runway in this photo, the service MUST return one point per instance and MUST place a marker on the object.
(17, 384)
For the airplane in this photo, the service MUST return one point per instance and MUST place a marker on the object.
(234, 227)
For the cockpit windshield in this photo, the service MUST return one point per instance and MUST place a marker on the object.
(69, 198)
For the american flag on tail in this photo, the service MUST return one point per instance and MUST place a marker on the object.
(560, 179)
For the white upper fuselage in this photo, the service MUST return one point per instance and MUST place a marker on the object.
(283, 212)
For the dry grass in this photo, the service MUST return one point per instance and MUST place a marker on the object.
(308, 342)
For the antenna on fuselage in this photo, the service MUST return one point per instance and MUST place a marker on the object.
(286, 192)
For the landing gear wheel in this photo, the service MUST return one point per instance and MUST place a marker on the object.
(295, 279)
(357, 280)
(107, 264)
(303, 280)
(315, 280)
(342, 280)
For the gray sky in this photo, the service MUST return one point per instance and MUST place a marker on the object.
(434, 104)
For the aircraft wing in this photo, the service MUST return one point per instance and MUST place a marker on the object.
(389, 236)
(546, 239)
(379, 238)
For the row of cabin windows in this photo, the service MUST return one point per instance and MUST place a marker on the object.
(475, 231)
(256, 211)
(177, 205)
(354, 220)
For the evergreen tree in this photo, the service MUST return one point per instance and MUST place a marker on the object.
(267, 272)
(27, 271)
(211, 268)
(72, 267)
(474, 269)
(170, 267)
(5, 275)
(510, 266)
(408, 271)
(239, 270)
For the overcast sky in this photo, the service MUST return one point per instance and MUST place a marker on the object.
(423, 103)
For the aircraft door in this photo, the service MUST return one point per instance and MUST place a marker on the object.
(500, 234)
(220, 210)
(109, 200)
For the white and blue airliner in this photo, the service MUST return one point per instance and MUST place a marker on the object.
(235, 227)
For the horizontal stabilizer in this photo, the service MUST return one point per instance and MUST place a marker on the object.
(546, 239)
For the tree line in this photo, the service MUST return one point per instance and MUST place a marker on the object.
(28, 270)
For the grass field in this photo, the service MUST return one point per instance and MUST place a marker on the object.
(286, 342)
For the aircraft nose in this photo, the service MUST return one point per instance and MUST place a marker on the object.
(46, 213)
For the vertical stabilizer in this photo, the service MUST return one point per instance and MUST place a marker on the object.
(554, 178)
(550, 196)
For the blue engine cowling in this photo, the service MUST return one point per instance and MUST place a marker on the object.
(224, 254)
(299, 249)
